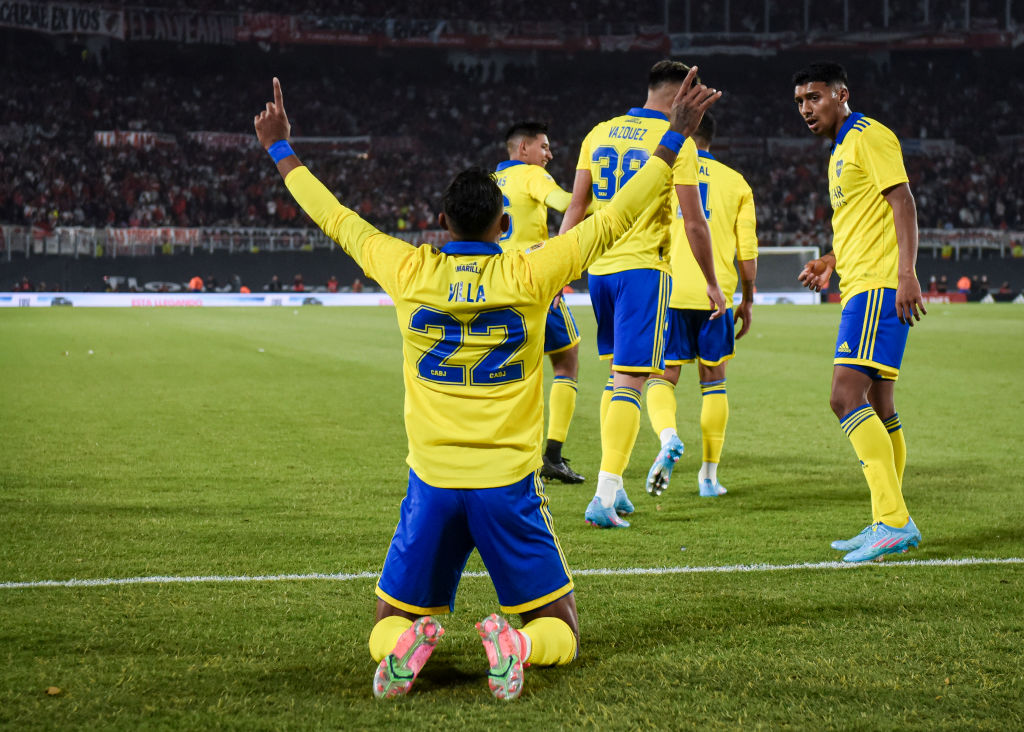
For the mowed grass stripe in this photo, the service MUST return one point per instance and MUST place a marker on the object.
(606, 571)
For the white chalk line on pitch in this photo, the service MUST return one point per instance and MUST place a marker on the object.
(634, 571)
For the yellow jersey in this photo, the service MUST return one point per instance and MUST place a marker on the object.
(524, 188)
(866, 160)
(728, 204)
(613, 152)
(472, 320)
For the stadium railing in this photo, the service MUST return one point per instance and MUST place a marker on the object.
(77, 241)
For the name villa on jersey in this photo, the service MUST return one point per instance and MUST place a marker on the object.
(625, 132)
(466, 292)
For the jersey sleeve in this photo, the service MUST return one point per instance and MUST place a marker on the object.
(684, 170)
(746, 227)
(563, 258)
(379, 255)
(539, 184)
(881, 157)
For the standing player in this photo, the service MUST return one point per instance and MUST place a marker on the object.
(728, 206)
(874, 250)
(630, 286)
(471, 317)
(527, 192)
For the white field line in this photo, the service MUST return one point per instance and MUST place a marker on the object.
(344, 577)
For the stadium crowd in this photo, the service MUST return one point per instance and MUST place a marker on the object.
(415, 108)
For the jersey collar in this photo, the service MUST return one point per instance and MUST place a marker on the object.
(850, 122)
(641, 112)
(508, 164)
(705, 154)
(471, 247)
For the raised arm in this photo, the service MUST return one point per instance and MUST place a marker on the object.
(582, 192)
(341, 224)
(908, 289)
(273, 129)
(688, 108)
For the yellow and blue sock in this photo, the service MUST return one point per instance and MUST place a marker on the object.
(561, 407)
(661, 405)
(714, 416)
(606, 396)
(385, 634)
(552, 642)
(899, 444)
(618, 432)
(872, 445)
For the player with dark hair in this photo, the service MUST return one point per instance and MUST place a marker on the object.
(728, 206)
(874, 250)
(472, 318)
(630, 286)
(528, 192)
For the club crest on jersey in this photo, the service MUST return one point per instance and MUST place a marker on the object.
(839, 168)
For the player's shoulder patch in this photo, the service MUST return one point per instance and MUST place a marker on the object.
(534, 247)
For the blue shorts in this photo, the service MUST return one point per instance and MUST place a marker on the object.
(871, 338)
(560, 331)
(631, 308)
(438, 529)
(692, 336)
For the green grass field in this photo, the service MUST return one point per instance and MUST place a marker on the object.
(262, 442)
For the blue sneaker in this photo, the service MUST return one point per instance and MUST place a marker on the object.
(623, 506)
(884, 539)
(660, 473)
(605, 518)
(711, 490)
(848, 545)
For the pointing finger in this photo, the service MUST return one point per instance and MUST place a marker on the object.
(278, 96)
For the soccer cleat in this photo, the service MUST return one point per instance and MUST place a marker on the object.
(660, 473)
(848, 545)
(504, 650)
(709, 489)
(559, 471)
(623, 506)
(395, 674)
(884, 539)
(605, 518)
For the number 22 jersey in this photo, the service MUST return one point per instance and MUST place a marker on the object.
(472, 323)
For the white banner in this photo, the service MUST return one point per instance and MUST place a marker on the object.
(46, 17)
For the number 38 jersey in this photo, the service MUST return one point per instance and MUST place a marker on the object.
(613, 152)
(472, 322)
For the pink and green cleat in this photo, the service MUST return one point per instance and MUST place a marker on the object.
(504, 649)
(399, 669)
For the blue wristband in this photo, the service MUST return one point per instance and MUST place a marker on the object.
(281, 150)
(673, 140)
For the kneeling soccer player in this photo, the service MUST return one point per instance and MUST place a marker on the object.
(472, 322)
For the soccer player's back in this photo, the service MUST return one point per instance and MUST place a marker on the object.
(629, 286)
(693, 337)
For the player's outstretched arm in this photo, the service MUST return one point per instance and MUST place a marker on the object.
(578, 206)
(273, 128)
(816, 273)
(908, 289)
